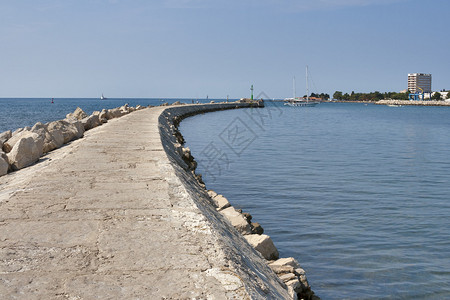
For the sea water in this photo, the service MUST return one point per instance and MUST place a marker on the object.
(19, 112)
(358, 194)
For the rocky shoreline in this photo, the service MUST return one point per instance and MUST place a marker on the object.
(288, 269)
(412, 103)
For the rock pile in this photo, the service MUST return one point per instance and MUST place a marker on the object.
(287, 269)
(25, 146)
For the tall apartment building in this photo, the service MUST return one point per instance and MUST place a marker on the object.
(419, 80)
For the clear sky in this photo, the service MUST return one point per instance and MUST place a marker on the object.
(194, 48)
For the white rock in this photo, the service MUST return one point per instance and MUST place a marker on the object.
(114, 113)
(221, 202)
(290, 261)
(19, 130)
(16, 136)
(69, 131)
(26, 151)
(212, 194)
(42, 131)
(90, 122)
(300, 271)
(237, 220)
(77, 114)
(287, 277)
(264, 245)
(79, 127)
(294, 284)
(292, 293)
(102, 116)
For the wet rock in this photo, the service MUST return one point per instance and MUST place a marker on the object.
(248, 217)
(256, 228)
(264, 245)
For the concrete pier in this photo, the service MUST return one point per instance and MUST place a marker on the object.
(116, 215)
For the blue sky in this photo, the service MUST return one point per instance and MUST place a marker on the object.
(194, 48)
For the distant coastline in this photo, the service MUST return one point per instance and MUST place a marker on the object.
(398, 102)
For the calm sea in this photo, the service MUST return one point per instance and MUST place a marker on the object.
(359, 194)
(19, 112)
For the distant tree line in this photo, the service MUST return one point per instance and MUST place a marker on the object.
(373, 96)
(322, 96)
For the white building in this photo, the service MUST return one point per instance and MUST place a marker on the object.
(419, 83)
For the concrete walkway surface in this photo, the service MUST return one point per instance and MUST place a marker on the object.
(108, 217)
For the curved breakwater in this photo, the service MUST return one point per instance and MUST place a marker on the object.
(242, 261)
(287, 269)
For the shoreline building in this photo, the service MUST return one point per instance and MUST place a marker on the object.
(419, 84)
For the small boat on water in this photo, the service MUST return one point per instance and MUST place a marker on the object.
(301, 102)
(103, 97)
(394, 105)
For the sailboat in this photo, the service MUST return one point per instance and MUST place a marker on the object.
(103, 97)
(296, 101)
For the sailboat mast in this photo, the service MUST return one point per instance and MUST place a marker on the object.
(307, 89)
(293, 86)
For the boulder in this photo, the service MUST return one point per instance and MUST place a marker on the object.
(4, 165)
(288, 277)
(221, 202)
(49, 141)
(294, 285)
(4, 136)
(79, 126)
(91, 121)
(211, 193)
(77, 114)
(103, 116)
(237, 220)
(290, 261)
(125, 109)
(19, 130)
(65, 129)
(256, 228)
(114, 113)
(264, 245)
(16, 136)
(282, 269)
(26, 151)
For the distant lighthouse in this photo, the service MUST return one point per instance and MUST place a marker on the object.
(252, 92)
